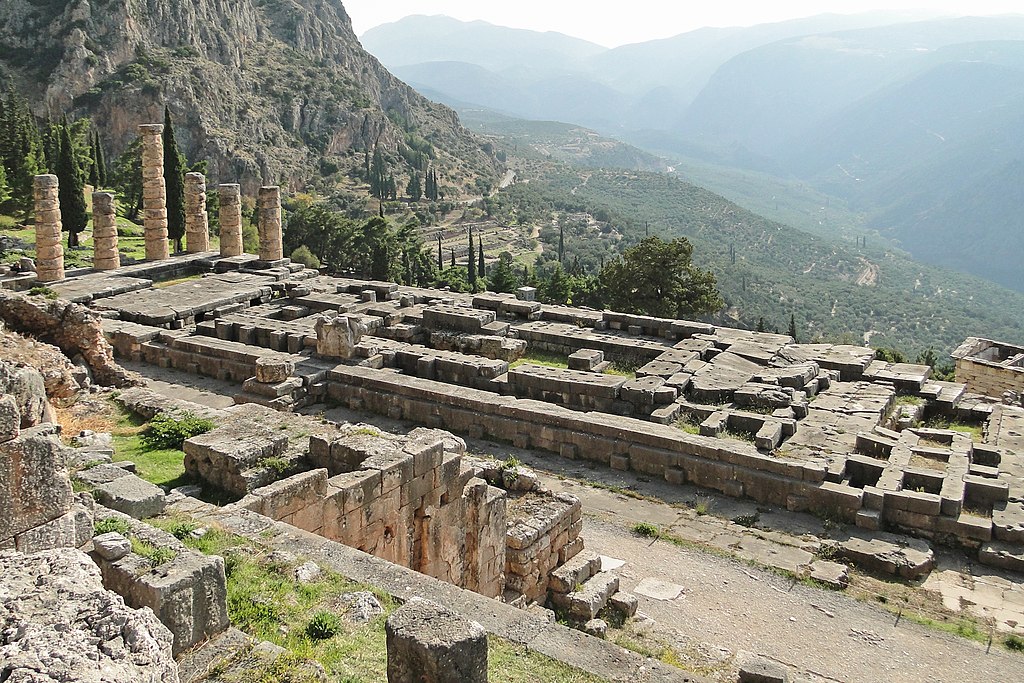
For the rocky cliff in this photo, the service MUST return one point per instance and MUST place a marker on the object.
(263, 89)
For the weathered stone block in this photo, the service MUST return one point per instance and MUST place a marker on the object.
(428, 643)
(131, 495)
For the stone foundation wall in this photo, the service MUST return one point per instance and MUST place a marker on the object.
(412, 502)
(543, 533)
(989, 379)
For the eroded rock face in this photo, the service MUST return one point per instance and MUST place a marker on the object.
(57, 623)
(71, 327)
(56, 368)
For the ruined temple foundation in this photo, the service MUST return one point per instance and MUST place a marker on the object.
(197, 224)
(230, 196)
(104, 232)
(154, 192)
(49, 251)
(271, 245)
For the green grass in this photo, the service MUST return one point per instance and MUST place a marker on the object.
(976, 430)
(264, 600)
(545, 358)
(162, 466)
(909, 401)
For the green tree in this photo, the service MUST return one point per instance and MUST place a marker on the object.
(378, 175)
(101, 162)
(557, 287)
(657, 278)
(21, 151)
(5, 190)
(94, 169)
(126, 179)
(792, 326)
(72, 190)
(503, 276)
(480, 258)
(415, 188)
(174, 180)
(471, 262)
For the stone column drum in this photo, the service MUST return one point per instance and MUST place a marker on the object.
(230, 198)
(49, 250)
(104, 232)
(271, 245)
(154, 192)
(428, 643)
(197, 224)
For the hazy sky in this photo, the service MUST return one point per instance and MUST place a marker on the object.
(613, 24)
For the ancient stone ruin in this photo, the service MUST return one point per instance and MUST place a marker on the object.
(821, 428)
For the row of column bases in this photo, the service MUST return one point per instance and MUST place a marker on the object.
(50, 251)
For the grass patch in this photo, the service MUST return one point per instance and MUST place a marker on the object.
(545, 358)
(160, 466)
(111, 524)
(178, 281)
(265, 601)
(909, 401)
(975, 429)
(1014, 642)
(646, 529)
(156, 556)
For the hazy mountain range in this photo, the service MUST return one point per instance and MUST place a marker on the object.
(914, 124)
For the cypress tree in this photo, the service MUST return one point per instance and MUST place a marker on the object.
(414, 189)
(561, 243)
(453, 257)
(471, 264)
(94, 169)
(101, 162)
(480, 260)
(72, 192)
(792, 327)
(174, 179)
(440, 254)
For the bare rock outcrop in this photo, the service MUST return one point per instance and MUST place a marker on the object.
(56, 368)
(57, 623)
(71, 327)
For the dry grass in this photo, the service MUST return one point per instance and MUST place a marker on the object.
(97, 415)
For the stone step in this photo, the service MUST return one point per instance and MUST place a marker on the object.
(584, 604)
(575, 572)
(194, 665)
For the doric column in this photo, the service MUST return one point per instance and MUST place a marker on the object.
(49, 250)
(230, 196)
(197, 225)
(271, 246)
(104, 232)
(154, 192)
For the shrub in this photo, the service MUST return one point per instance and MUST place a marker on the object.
(1015, 642)
(169, 432)
(322, 626)
(646, 529)
(307, 258)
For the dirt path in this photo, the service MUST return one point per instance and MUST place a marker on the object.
(869, 276)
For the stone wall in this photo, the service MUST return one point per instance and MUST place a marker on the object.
(410, 501)
(543, 533)
(989, 367)
(38, 510)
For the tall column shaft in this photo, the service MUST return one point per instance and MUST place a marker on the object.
(230, 197)
(154, 192)
(197, 224)
(49, 250)
(104, 232)
(271, 245)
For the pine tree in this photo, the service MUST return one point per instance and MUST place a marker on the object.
(792, 327)
(471, 263)
(503, 278)
(174, 180)
(480, 259)
(21, 150)
(72, 191)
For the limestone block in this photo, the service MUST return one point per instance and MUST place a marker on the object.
(50, 265)
(132, 495)
(755, 669)
(197, 227)
(269, 226)
(70, 530)
(428, 643)
(70, 629)
(34, 485)
(111, 546)
(271, 370)
(10, 418)
(338, 335)
(575, 571)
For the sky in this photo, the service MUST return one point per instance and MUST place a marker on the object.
(607, 23)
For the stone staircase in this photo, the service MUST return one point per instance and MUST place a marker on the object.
(581, 590)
